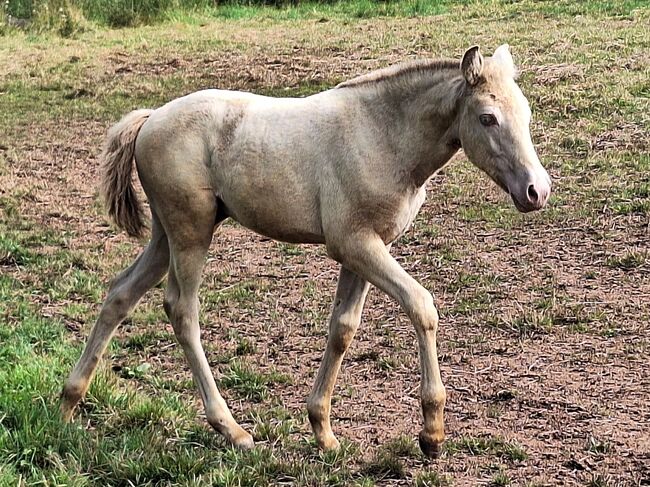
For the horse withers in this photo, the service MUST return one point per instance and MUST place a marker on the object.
(345, 168)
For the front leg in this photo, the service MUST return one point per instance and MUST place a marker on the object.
(366, 255)
(351, 293)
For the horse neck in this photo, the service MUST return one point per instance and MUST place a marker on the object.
(419, 116)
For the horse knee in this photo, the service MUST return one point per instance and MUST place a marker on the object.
(342, 331)
(73, 391)
(423, 312)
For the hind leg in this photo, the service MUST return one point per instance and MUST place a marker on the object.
(189, 242)
(124, 293)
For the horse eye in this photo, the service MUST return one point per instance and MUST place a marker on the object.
(488, 119)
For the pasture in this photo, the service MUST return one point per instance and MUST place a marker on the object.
(544, 331)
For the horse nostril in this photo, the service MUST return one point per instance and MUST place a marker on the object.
(532, 194)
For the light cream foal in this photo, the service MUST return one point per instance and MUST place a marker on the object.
(345, 168)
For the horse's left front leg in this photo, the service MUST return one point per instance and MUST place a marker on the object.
(366, 255)
(346, 314)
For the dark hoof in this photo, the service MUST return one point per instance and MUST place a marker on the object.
(430, 448)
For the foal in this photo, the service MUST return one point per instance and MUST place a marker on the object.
(345, 168)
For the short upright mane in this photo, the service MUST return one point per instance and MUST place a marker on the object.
(400, 70)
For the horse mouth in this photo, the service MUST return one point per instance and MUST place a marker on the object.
(523, 208)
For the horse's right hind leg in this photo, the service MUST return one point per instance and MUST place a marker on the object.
(124, 293)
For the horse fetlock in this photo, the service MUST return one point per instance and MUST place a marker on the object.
(230, 430)
(320, 425)
(433, 401)
(73, 391)
(67, 408)
(318, 410)
(67, 412)
(220, 422)
(327, 441)
(71, 394)
(431, 443)
(242, 439)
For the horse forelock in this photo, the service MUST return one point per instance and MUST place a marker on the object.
(497, 82)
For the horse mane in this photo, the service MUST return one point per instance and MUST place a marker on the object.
(398, 71)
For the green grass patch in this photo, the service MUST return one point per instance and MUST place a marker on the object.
(68, 18)
(248, 383)
(433, 479)
(385, 465)
(244, 293)
(132, 438)
(628, 260)
(508, 450)
(12, 253)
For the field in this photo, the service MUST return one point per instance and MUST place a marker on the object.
(544, 338)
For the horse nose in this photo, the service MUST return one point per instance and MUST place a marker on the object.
(538, 194)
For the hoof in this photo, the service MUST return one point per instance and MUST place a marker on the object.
(329, 443)
(67, 410)
(66, 414)
(429, 447)
(244, 441)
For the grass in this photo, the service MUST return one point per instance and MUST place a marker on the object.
(63, 80)
(432, 479)
(483, 445)
(248, 383)
(500, 479)
(628, 260)
(128, 441)
(69, 18)
(598, 447)
(239, 294)
(391, 460)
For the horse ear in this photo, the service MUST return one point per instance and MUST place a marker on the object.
(504, 58)
(472, 65)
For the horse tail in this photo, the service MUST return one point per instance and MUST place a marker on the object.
(117, 158)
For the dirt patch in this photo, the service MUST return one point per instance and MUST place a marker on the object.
(551, 74)
(625, 136)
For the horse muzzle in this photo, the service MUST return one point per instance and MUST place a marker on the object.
(533, 196)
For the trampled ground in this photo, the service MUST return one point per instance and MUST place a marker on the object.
(544, 335)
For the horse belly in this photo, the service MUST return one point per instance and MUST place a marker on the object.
(274, 209)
